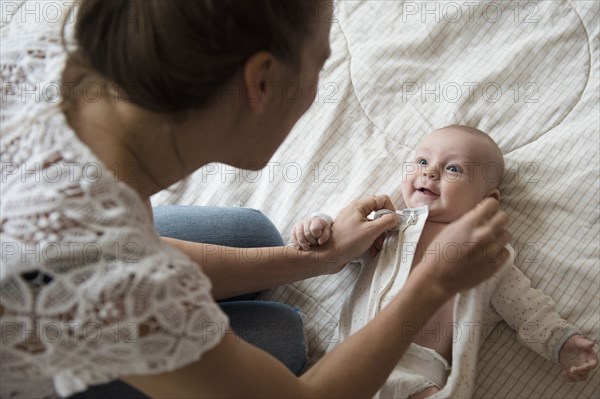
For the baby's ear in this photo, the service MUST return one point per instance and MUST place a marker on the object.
(495, 194)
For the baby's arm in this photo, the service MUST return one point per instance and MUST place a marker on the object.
(533, 315)
(314, 230)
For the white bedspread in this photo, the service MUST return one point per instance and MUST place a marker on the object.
(525, 72)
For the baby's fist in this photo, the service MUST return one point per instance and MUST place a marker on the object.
(314, 230)
(577, 358)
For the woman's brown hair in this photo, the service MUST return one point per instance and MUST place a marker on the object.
(176, 55)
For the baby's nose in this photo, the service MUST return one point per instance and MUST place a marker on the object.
(431, 171)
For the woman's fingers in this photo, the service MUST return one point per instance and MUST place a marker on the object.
(499, 221)
(374, 203)
(384, 223)
(483, 211)
(504, 238)
(482, 232)
(354, 233)
(379, 242)
(491, 226)
(377, 245)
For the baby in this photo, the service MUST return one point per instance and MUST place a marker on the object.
(455, 168)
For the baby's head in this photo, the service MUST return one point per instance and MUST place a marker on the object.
(455, 168)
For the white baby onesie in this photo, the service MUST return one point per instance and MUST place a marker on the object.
(507, 296)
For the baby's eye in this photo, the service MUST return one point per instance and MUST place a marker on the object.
(454, 168)
(422, 161)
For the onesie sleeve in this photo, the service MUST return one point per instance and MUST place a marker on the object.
(532, 314)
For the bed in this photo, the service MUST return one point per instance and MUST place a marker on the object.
(525, 72)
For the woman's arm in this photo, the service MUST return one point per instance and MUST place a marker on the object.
(359, 366)
(236, 271)
(356, 368)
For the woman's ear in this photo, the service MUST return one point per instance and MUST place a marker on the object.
(259, 73)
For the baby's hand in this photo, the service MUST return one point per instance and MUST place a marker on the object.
(314, 230)
(577, 358)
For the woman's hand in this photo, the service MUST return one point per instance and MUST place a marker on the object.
(469, 250)
(352, 233)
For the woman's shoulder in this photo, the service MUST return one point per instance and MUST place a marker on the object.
(56, 191)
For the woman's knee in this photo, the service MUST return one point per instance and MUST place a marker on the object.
(257, 228)
(230, 226)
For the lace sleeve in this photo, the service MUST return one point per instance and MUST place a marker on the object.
(89, 292)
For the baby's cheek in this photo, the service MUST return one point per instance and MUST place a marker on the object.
(405, 189)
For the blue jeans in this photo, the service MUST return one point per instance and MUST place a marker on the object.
(274, 327)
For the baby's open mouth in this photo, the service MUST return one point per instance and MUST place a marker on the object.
(427, 192)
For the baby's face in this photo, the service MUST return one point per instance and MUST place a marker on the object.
(452, 173)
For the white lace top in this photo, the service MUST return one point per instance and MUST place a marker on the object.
(88, 290)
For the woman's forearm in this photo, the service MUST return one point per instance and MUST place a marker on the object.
(356, 368)
(236, 271)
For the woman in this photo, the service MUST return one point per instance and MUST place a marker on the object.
(121, 303)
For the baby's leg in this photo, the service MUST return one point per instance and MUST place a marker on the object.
(425, 393)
